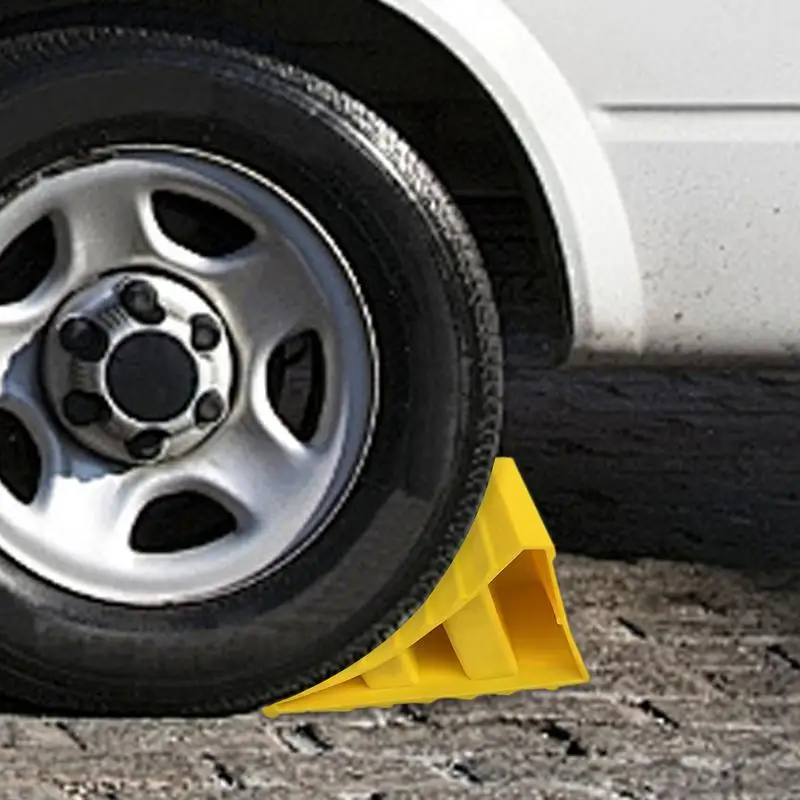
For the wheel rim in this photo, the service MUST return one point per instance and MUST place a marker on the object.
(283, 285)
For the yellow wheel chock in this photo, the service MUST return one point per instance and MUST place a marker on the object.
(495, 623)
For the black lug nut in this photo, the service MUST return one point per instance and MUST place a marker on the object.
(209, 408)
(147, 445)
(206, 334)
(84, 408)
(140, 300)
(84, 339)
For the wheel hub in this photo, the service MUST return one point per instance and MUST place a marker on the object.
(151, 376)
(139, 367)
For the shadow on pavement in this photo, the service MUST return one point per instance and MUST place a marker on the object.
(686, 467)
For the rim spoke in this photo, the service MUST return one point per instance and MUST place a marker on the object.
(251, 470)
(289, 278)
(18, 357)
(103, 221)
(294, 301)
(82, 516)
(21, 320)
(21, 397)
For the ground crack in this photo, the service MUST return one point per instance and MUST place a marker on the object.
(779, 651)
(552, 730)
(718, 680)
(305, 739)
(71, 734)
(227, 777)
(461, 771)
(632, 628)
(652, 710)
(416, 714)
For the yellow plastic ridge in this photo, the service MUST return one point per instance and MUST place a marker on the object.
(494, 624)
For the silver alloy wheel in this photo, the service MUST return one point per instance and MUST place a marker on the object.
(289, 278)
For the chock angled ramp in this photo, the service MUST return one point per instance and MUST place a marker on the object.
(495, 623)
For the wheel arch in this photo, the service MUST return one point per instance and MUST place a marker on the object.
(563, 156)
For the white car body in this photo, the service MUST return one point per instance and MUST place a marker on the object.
(667, 140)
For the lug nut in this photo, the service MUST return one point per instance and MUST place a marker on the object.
(140, 300)
(209, 408)
(83, 408)
(206, 334)
(147, 445)
(84, 339)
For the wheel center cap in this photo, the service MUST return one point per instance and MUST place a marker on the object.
(139, 367)
(152, 377)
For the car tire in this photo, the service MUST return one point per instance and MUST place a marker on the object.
(65, 94)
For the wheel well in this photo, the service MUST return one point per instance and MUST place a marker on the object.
(403, 73)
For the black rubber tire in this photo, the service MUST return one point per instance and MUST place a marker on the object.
(65, 92)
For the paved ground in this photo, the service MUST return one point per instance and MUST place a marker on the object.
(673, 500)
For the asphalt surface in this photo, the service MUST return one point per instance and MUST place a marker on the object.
(673, 500)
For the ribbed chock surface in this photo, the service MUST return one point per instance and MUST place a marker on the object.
(495, 624)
